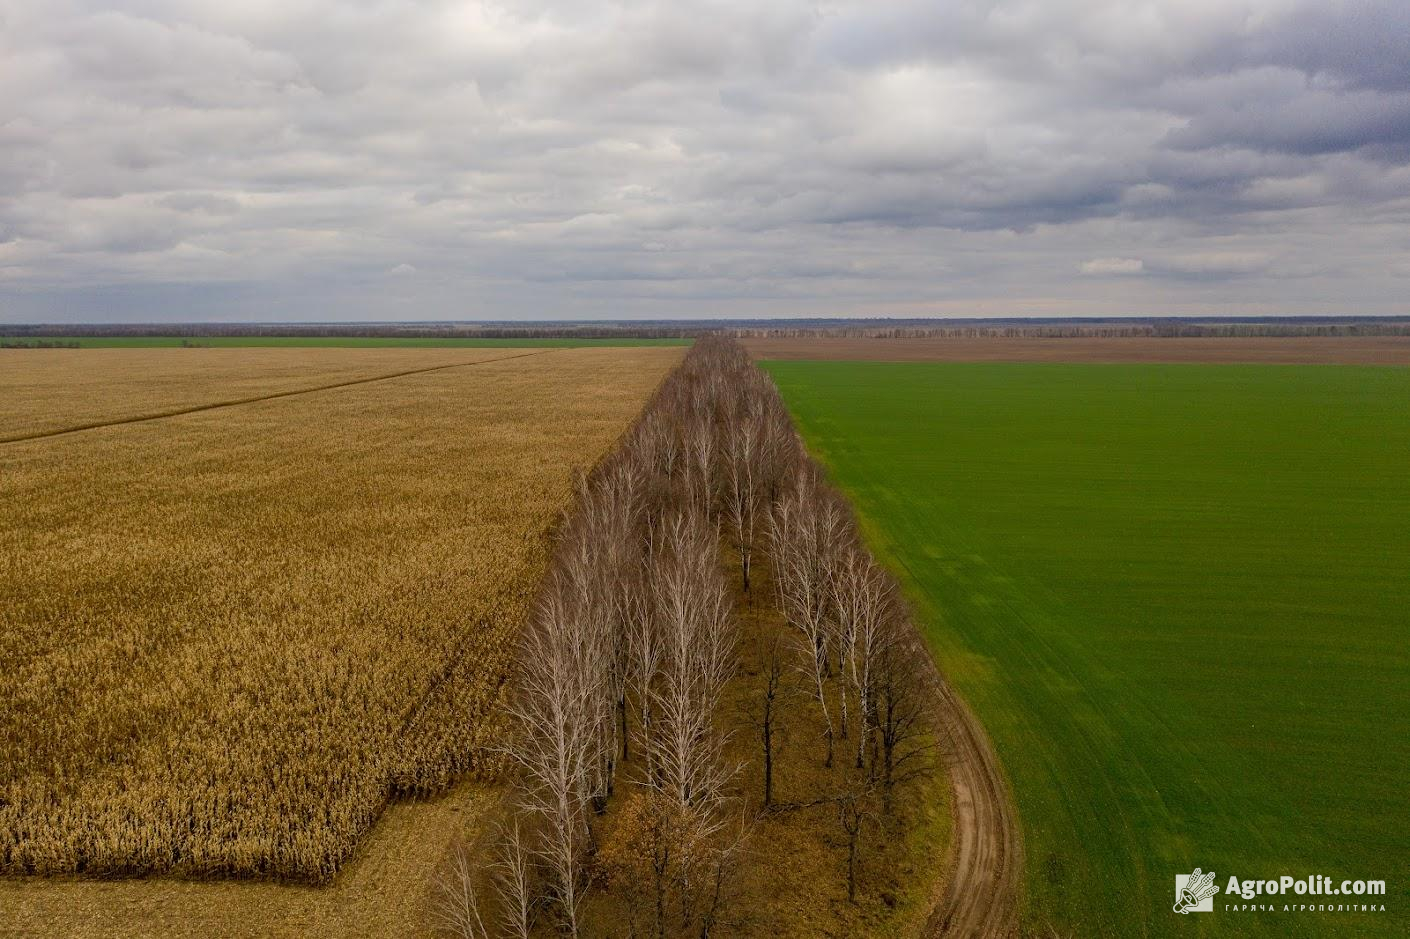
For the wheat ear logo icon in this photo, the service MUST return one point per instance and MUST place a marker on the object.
(1197, 888)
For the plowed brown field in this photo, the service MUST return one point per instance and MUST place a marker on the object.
(1355, 350)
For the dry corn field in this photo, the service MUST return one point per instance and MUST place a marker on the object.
(228, 637)
(47, 390)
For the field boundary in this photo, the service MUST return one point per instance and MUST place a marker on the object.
(981, 893)
(1306, 350)
(983, 873)
(255, 399)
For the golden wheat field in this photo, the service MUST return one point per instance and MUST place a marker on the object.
(228, 637)
(48, 390)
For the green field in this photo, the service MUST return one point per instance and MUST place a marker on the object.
(1178, 597)
(145, 342)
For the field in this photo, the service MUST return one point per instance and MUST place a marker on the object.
(229, 636)
(1176, 596)
(387, 889)
(1345, 350)
(43, 391)
(335, 342)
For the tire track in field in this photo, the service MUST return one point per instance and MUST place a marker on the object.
(236, 402)
(986, 863)
(981, 893)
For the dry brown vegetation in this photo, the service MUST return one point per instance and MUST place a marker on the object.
(229, 637)
(382, 892)
(43, 391)
(790, 878)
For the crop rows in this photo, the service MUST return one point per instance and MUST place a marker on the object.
(43, 391)
(228, 638)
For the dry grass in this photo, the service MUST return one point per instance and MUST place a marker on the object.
(44, 390)
(385, 891)
(792, 882)
(228, 637)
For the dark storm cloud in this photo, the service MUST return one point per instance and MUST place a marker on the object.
(389, 158)
(1362, 44)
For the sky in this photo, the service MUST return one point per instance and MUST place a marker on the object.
(279, 160)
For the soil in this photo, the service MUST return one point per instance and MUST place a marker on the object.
(986, 867)
(1337, 350)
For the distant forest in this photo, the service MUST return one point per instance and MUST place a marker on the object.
(999, 328)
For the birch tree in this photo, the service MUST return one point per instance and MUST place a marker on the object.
(555, 713)
(804, 533)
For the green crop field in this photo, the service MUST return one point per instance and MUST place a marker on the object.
(1178, 597)
(349, 342)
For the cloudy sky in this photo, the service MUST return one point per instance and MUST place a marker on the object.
(289, 160)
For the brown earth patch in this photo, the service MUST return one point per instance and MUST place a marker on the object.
(1331, 350)
(980, 899)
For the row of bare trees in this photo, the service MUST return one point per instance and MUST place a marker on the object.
(855, 641)
(625, 665)
(863, 667)
(1075, 329)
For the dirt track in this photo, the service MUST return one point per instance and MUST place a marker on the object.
(986, 865)
(984, 870)
(1340, 350)
(217, 405)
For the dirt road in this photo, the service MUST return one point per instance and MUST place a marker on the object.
(986, 864)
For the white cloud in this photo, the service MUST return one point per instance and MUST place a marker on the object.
(1100, 267)
(1217, 263)
(165, 159)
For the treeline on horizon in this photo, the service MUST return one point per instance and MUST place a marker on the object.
(1075, 328)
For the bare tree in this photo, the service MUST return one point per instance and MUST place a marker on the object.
(696, 629)
(763, 711)
(904, 690)
(645, 651)
(744, 476)
(725, 863)
(516, 883)
(854, 811)
(457, 907)
(783, 451)
(557, 715)
(805, 532)
(636, 621)
(657, 442)
(610, 512)
(701, 458)
(583, 591)
(865, 601)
